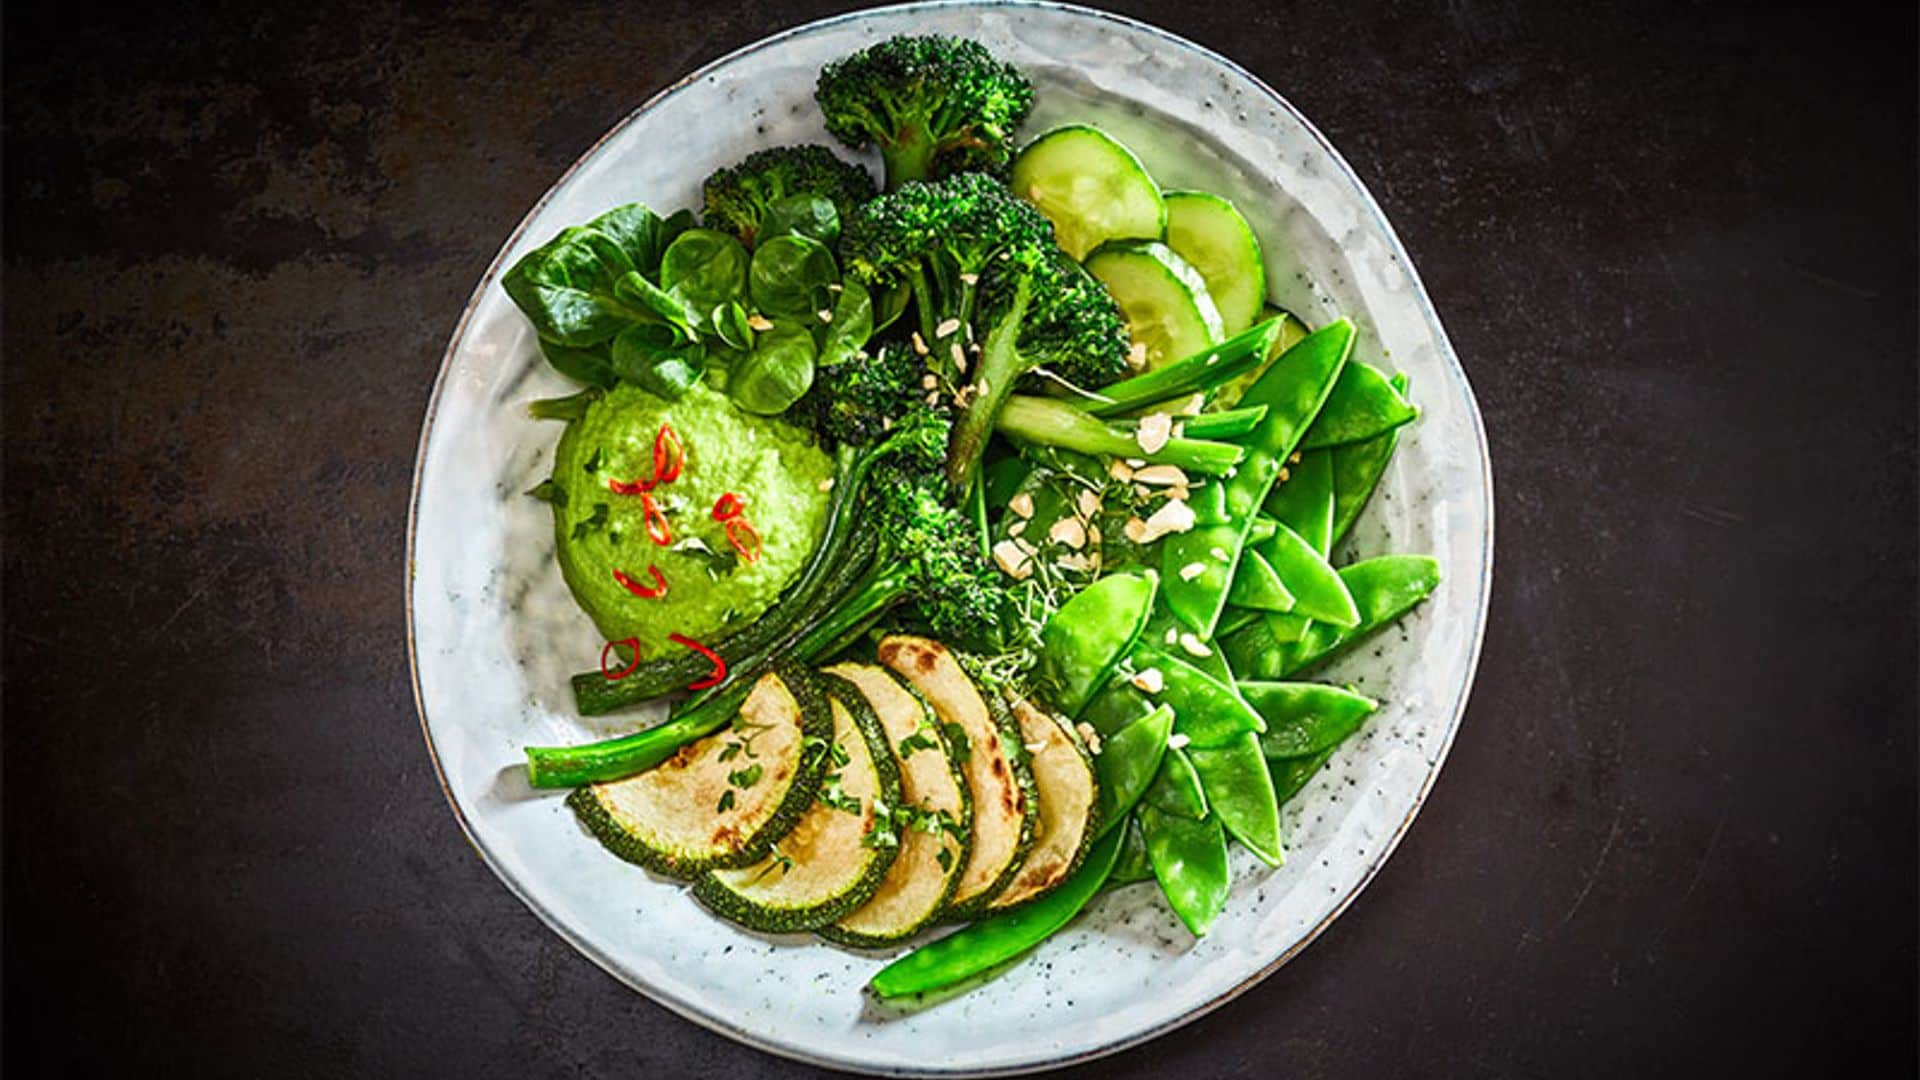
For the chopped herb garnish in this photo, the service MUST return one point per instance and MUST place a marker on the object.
(840, 756)
(592, 464)
(945, 858)
(923, 738)
(731, 751)
(596, 520)
(959, 745)
(835, 796)
(549, 492)
(726, 800)
(745, 778)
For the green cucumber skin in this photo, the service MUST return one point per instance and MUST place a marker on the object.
(730, 905)
(1121, 161)
(815, 721)
(839, 935)
(1201, 219)
(1016, 749)
(1116, 256)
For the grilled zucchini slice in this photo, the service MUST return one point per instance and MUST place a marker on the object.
(689, 814)
(987, 742)
(842, 845)
(934, 844)
(1069, 806)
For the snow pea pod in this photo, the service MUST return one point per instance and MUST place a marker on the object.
(1189, 859)
(1201, 371)
(1287, 626)
(1233, 619)
(1128, 762)
(1318, 593)
(1256, 586)
(1292, 774)
(998, 938)
(1206, 710)
(1118, 706)
(1357, 468)
(1132, 865)
(1292, 390)
(1176, 787)
(1083, 641)
(1305, 718)
(1383, 588)
(1363, 405)
(1304, 500)
(1240, 793)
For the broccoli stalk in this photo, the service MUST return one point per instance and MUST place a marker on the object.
(933, 105)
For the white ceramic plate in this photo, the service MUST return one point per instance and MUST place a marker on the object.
(494, 634)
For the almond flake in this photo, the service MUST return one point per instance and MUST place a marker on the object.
(1172, 517)
(919, 345)
(959, 356)
(1149, 680)
(970, 279)
(1219, 553)
(1070, 532)
(1194, 646)
(1093, 533)
(1161, 475)
(1077, 563)
(1179, 493)
(759, 322)
(1089, 503)
(826, 314)
(1119, 470)
(827, 484)
(946, 328)
(1191, 405)
(1154, 431)
(1192, 570)
(1136, 463)
(1018, 527)
(1135, 530)
(1021, 504)
(1137, 355)
(1088, 736)
(1172, 635)
(1013, 560)
(928, 382)
(1175, 742)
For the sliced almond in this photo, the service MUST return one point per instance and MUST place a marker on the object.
(1021, 504)
(1192, 570)
(1088, 503)
(919, 344)
(1162, 476)
(1088, 736)
(1194, 646)
(759, 322)
(1175, 742)
(1120, 470)
(946, 328)
(1013, 559)
(1172, 517)
(1154, 431)
(1135, 530)
(1137, 355)
(1149, 680)
(1068, 531)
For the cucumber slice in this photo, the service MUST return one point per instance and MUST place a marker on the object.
(1163, 298)
(1208, 232)
(1092, 188)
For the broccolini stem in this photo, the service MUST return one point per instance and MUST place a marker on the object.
(994, 377)
(1047, 422)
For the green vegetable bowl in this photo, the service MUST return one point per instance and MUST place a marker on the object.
(494, 634)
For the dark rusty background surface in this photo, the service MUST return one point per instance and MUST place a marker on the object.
(1675, 246)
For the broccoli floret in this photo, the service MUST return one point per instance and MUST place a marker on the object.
(934, 105)
(736, 199)
(860, 400)
(995, 297)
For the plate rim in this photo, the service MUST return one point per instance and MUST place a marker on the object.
(1483, 584)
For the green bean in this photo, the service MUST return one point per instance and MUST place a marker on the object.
(1203, 370)
(1197, 565)
(999, 938)
(1240, 793)
(1304, 499)
(1256, 586)
(1189, 859)
(1363, 405)
(1318, 593)
(1084, 640)
(1305, 718)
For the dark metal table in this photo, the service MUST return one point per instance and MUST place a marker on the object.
(1676, 250)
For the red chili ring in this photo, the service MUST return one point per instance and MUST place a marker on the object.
(719, 663)
(629, 487)
(657, 528)
(658, 590)
(727, 507)
(748, 551)
(668, 455)
(631, 643)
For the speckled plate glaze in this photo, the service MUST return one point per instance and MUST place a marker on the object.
(494, 634)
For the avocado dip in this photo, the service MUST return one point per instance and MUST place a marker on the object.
(779, 481)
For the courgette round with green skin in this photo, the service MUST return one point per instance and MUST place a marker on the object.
(933, 850)
(837, 853)
(987, 741)
(722, 800)
(1209, 232)
(1069, 798)
(1163, 298)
